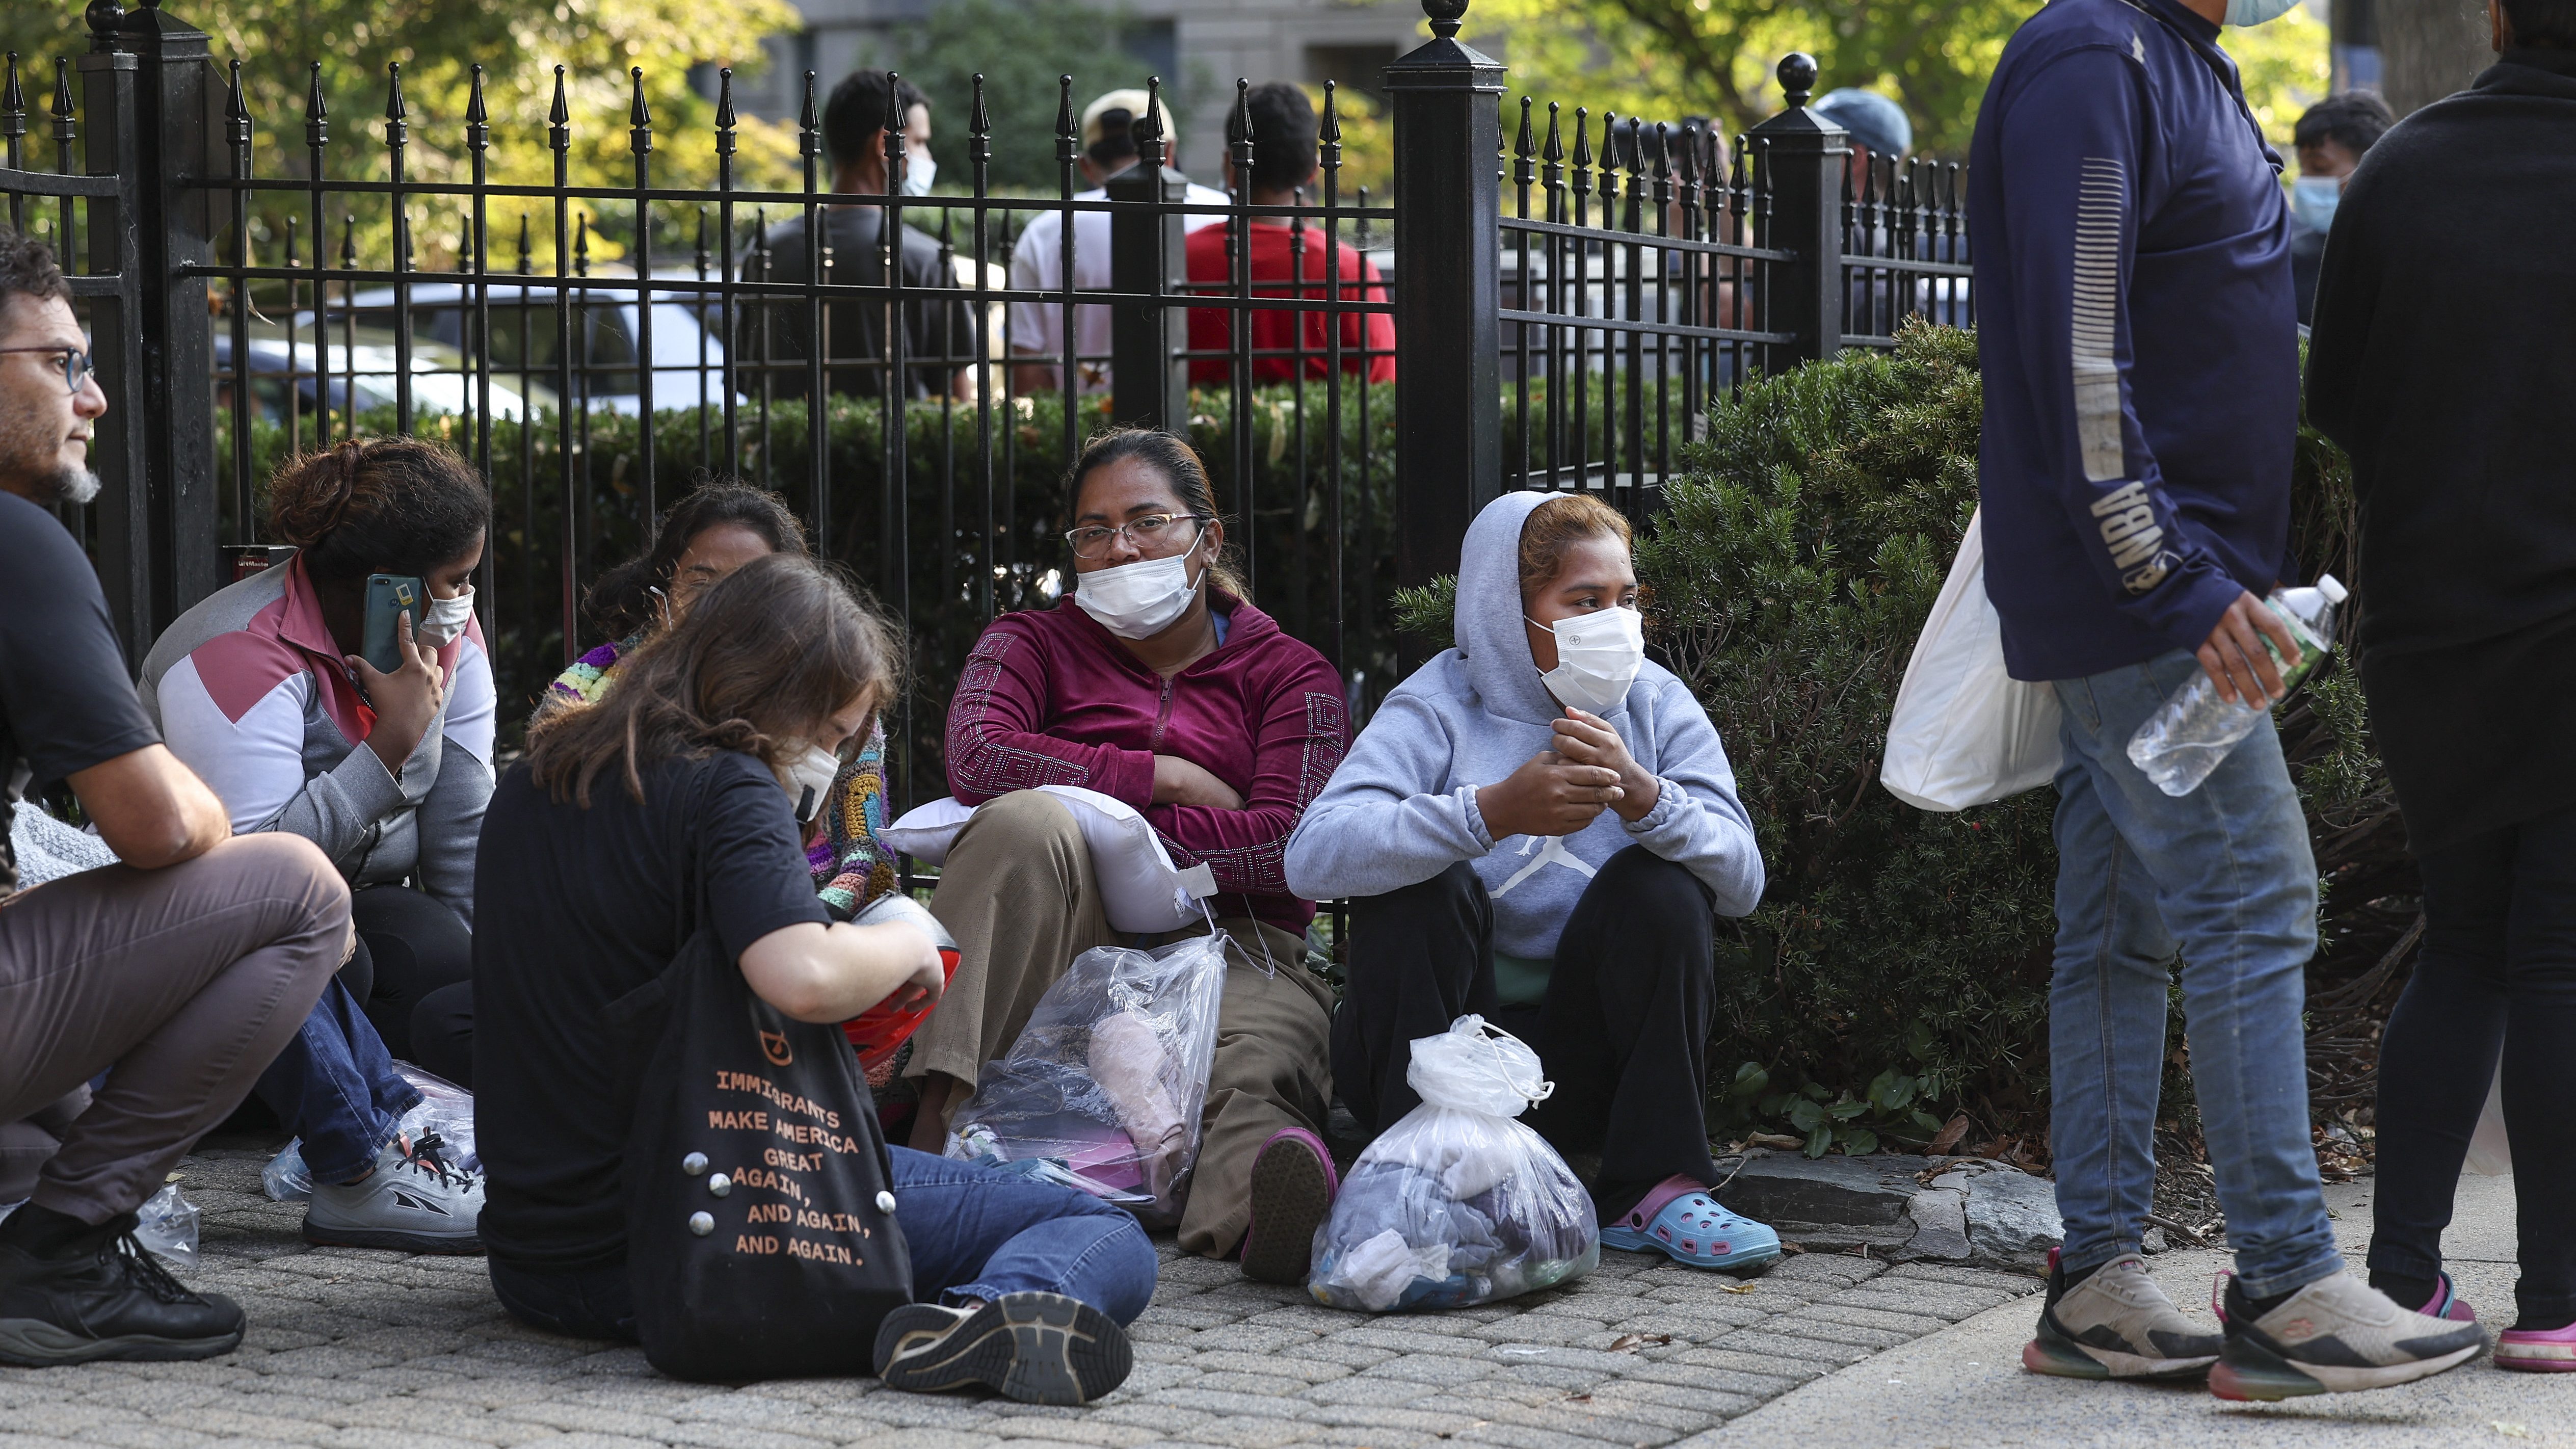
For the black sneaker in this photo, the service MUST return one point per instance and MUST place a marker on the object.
(102, 1297)
(1292, 1193)
(2333, 1336)
(1038, 1348)
(2116, 1324)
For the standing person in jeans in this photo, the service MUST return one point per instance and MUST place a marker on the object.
(260, 689)
(178, 973)
(677, 789)
(2141, 367)
(2465, 464)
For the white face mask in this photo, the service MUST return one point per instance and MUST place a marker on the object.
(2258, 12)
(919, 170)
(1141, 599)
(809, 780)
(443, 623)
(1597, 658)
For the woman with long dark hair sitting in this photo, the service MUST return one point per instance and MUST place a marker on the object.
(262, 691)
(677, 788)
(1159, 684)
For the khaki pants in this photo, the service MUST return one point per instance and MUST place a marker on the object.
(1019, 894)
(182, 984)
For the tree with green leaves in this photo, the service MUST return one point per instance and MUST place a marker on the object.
(342, 50)
(1020, 47)
(1669, 58)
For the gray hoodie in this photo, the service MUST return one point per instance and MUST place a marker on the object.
(1402, 806)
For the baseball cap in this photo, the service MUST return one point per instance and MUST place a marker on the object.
(1129, 104)
(1872, 119)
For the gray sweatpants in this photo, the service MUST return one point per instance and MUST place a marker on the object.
(182, 984)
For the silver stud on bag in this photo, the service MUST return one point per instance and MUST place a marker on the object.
(702, 1223)
(885, 1202)
(719, 1184)
(694, 1164)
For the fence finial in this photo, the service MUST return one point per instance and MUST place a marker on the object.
(236, 113)
(639, 117)
(478, 117)
(105, 18)
(1149, 133)
(1328, 136)
(1554, 154)
(898, 154)
(317, 112)
(559, 118)
(1523, 145)
(13, 105)
(809, 126)
(1444, 16)
(1797, 73)
(66, 127)
(397, 112)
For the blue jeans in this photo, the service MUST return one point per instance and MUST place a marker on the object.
(2223, 875)
(973, 1233)
(335, 1086)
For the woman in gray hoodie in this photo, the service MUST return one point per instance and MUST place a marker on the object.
(1540, 827)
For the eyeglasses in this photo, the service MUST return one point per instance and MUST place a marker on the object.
(77, 365)
(1151, 535)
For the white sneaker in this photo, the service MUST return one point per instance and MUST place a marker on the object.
(414, 1202)
(2333, 1336)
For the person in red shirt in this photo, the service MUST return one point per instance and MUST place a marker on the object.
(1291, 256)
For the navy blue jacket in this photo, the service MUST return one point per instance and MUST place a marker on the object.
(2137, 331)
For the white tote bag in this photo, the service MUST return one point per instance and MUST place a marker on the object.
(1140, 889)
(1964, 732)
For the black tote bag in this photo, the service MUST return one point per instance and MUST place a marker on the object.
(760, 1225)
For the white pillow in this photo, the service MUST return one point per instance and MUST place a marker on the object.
(1140, 889)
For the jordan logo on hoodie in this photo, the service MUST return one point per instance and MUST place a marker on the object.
(1551, 851)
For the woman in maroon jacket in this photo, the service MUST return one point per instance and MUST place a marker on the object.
(1157, 683)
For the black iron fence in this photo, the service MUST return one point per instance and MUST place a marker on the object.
(913, 371)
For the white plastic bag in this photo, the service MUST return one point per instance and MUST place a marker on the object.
(1107, 1080)
(1964, 732)
(445, 1109)
(1457, 1204)
(1141, 891)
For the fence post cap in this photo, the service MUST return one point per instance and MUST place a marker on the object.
(104, 17)
(1444, 16)
(1797, 74)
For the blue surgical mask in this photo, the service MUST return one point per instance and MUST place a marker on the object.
(919, 170)
(2313, 200)
(2258, 12)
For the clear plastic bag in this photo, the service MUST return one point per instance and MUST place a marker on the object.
(167, 1224)
(1457, 1204)
(445, 1109)
(1107, 1080)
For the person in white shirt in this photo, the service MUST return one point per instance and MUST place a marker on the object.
(1037, 260)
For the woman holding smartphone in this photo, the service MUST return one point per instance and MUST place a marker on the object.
(263, 691)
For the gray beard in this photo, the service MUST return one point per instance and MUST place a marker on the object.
(75, 485)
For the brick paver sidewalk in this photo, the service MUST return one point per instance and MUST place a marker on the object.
(374, 1349)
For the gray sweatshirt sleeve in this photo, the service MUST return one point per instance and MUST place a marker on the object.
(1385, 822)
(340, 808)
(1698, 823)
(451, 824)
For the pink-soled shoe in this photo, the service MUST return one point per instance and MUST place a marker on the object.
(2537, 1351)
(2446, 1302)
(1293, 1183)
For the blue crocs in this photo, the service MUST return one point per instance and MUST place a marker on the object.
(1680, 1220)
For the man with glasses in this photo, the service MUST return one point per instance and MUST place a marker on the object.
(179, 973)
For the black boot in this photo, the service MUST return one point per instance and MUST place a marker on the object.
(99, 1295)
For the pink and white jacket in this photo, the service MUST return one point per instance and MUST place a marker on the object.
(250, 692)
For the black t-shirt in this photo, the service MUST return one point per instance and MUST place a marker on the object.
(66, 698)
(573, 909)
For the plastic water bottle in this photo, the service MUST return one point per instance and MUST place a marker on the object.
(2181, 743)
